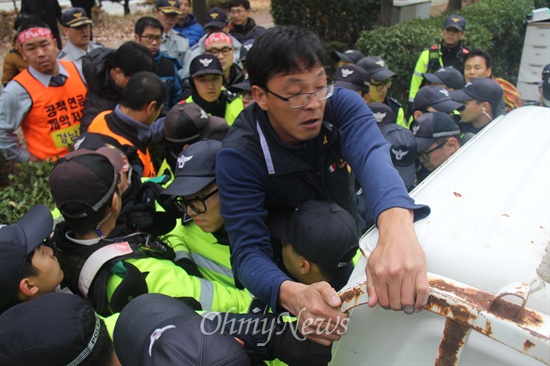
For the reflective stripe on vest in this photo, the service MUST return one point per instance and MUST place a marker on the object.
(99, 125)
(95, 261)
(207, 294)
(53, 122)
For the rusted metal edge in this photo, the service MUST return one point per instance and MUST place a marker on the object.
(522, 329)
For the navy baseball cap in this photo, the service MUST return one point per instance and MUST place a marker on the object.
(195, 169)
(403, 151)
(435, 97)
(16, 242)
(430, 126)
(188, 122)
(480, 89)
(168, 6)
(383, 114)
(351, 77)
(155, 329)
(75, 17)
(49, 330)
(321, 231)
(216, 17)
(352, 56)
(376, 68)
(455, 21)
(448, 76)
(205, 64)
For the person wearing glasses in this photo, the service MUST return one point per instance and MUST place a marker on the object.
(173, 43)
(207, 90)
(294, 144)
(110, 263)
(241, 26)
(380, 79)
(148, 32)
(220, 45)
(438, 137)
(203, 238)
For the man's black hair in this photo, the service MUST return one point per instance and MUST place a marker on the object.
(282, 50)
(145, 22)
(32, 23)
(480, 53)
(132, 58)
(143, 88)
(25, 18)
(235, 3)
(104, 350)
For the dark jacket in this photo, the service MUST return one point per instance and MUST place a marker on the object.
(257, 173)
(103, 94)
(245, 32)
(48, 11)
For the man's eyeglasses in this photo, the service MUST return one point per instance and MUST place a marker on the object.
(425, 155)
(301, 100)
(237, 11)
(215, 51)
(197, 204)
(380, 86)
(150, 38)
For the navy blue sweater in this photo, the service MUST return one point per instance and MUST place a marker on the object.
(244, 185)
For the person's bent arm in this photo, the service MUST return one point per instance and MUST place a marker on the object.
(398, 262)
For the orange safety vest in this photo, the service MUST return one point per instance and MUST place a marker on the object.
(99, 125)
(53, 122)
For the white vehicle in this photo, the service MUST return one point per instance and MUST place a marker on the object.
(487, 246)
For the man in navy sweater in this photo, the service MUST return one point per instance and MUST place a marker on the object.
(295, 144)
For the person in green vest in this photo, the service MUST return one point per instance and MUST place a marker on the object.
(206, 81)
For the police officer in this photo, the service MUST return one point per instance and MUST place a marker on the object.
(450, 52)
(173, 43)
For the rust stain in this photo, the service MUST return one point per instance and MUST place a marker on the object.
(452, 341)
(506, 215)
(458, 195)
(351, 294)
(527, 344)
(482, 301)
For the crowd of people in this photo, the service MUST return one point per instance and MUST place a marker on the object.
(207, 177)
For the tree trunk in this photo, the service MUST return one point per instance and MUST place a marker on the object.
(454, 5)
(199, 10)
(385, 13)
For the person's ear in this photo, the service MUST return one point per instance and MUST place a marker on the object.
(260, 96)
(152, 107)
(417, 114)
(305, 266)
(136, 37)
(28, 288)
(116, 202)
(366, 97)
(125, 164)
(452, 145)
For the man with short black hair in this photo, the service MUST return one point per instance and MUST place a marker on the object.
(107, 72)
(78, 28)
(478, 63)
(241, 25)
(481, 98)
(46, 100)
(148, 32)
(294, 144)
(129, 122)
(449, 52)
